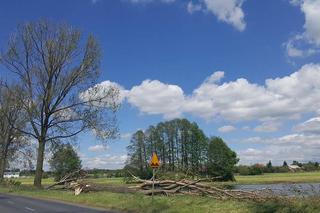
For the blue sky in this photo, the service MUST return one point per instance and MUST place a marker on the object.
(247, 71)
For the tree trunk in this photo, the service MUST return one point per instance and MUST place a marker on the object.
(2, 167)
(3, 160)
(39, 168)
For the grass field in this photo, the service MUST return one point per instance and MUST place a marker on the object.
(48, 181)
(299, 177)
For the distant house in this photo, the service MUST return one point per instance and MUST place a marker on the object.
(294, 168)
(11, 174)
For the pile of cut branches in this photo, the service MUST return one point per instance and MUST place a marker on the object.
(200, 187)
(78, 182)
(74, 181)
(195, 187)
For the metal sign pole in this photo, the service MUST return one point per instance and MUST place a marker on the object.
(153, 171)
(154, 163)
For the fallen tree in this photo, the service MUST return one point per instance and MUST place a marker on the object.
(78, 182)
(199, 187)
(74, 181)
(195, 187)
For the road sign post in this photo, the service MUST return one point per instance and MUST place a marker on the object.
(153, 175)
(154, 163)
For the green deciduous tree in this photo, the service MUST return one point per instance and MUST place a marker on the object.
(221, 159)
(181, 147)
(137, 153)
(64, 161)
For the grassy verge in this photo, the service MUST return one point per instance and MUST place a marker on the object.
(140, 203)
(136, 202)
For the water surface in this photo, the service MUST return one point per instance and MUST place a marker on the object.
(285, 189)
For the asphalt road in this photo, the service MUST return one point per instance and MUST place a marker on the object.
(17, 204)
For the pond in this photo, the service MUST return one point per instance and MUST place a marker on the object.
(289, 189)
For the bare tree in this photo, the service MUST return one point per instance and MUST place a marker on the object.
(57, 72)
(11, 140)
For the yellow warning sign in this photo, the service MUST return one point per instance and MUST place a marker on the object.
(154, 163)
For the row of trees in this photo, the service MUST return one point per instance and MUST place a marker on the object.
(258, 169)
(182, 147)
(52, 95)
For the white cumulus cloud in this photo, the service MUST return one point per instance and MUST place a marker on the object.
(104, 161)
(268, 127)
(287, 97)
(302, 145)
(227, 128)
(229, 11)
(309, 39)
(98, 148)
(193, 7)
(311, 126)
(155, 97)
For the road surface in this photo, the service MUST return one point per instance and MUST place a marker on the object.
(17, 204)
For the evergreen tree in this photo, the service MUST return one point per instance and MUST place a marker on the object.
(284, 164)
(269, 167)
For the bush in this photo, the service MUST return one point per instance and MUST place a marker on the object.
(243, 170)
(45, 175)
(10, 182)
(96, 175)
(310, 166)
(256, 170)
(281, 169)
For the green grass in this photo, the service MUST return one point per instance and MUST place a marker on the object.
(108, 181)
(180, 204)
(29, 181)
(140, 203)
(299, 177)
(136, 202)
(48, 181)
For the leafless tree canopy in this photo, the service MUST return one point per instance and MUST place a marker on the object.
(55, 68)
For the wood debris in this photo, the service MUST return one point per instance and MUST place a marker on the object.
(200, 187)
(195, 187)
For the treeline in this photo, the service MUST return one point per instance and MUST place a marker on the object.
(259, 169)
(181, 147)
(92, 173)
(106, 173)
